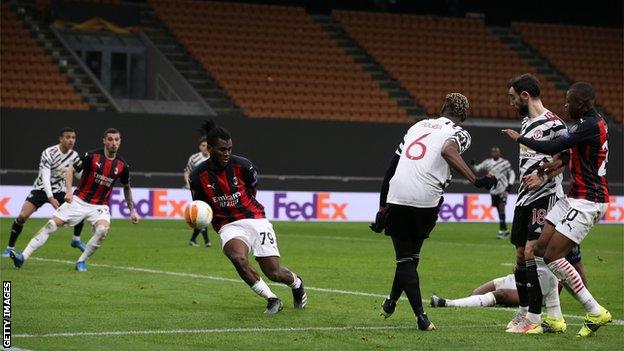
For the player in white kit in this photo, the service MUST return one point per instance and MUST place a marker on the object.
(412, 191)
(195, 160)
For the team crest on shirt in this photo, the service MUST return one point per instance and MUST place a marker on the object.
(538, 134)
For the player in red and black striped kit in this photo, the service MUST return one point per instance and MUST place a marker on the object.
(228, 184)
(100, 169)
(570, 220)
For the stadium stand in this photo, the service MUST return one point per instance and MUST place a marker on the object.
(583, 53)
(29, 78)
(274, 61)
(432, 55)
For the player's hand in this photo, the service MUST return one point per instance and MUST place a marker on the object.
(551, 167)
(533, 181)
(512, 134)
(380, 222)
(69, 197)
(134, 216)
(487, 182)
(54, 202)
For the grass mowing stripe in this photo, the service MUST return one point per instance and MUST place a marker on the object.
(209, 277)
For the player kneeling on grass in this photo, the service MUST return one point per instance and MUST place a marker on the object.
(100, 169)
(503, 291)
(411, 195)
(228, 184)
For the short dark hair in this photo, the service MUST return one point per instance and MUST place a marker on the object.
(110, 131)
(526, 82)
(213, 132)
(66, 130)
(203, 139)
(583, 91)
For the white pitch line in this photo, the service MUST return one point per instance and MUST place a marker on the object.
(311, 288)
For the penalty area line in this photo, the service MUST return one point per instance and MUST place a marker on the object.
(310, 288)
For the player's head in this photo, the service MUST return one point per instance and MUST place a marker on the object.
(219, 142)
(455, 105)
(111, 140)
(203, 145)
(522, 89)
(67, 138)
(579, 98)
(495, 152)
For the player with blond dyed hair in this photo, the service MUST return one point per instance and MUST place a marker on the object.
(411, 194)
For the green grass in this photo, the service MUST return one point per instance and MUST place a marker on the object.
(50, 297)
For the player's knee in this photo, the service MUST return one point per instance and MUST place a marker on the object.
(538, 250)
(21, 218)
(100, 232)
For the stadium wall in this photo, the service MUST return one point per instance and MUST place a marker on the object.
(163, 143)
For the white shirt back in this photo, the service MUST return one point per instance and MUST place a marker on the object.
(422, 173)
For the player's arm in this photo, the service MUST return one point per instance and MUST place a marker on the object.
(548, 171)
(250, 175)
(511, 178)
(69, 180)
(125, 180)
(479, 167)
(46, 172)
(559, 144)
(187, 184)
(450, 153)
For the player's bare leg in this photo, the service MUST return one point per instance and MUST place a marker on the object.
(505, 297)
(559, 246)
(274, 271)
(100, 229)
(37, 241)
(27, 210)
(236, 251)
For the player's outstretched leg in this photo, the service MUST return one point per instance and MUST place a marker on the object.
(27, 210)
(36, 242)
(76, 242)
(100, 229)
(389, 304)
(275, 272)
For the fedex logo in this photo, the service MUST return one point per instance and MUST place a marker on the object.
(321, 207)
(469, 209)
(157, 204)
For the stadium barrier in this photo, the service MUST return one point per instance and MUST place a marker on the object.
(163, 203)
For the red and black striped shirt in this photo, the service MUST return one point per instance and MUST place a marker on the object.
(587, 140)
(99, 174)
(230, 190)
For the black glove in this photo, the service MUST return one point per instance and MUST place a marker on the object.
(380, 223)
(487, 182)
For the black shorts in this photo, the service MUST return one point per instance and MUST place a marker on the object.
(529, 220)
(39, 198)
(499, 199)
(410, 222)
(574, 256)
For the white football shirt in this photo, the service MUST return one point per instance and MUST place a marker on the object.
(422, 173)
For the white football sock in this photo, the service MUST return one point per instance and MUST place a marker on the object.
(550, 291)
(94, 243)
(570, 277)
(296, 283)
(76, 238)
(40, 239)
(262, 289)
(486, 300)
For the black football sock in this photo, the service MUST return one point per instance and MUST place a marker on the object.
(411, 285)
(204, 233)
(520, 275)
(533, 288)
(16, 229)
(195, 234)
(397, 290)
(78, 228)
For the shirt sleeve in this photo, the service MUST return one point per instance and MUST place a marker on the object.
(575, 135)
(480, 166)
(189, 165)
(125, 175)
(45, 172)
(463, 139)
(83, 163)
(250, 175)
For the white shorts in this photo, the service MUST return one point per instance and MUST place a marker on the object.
(258, 234)
(74, 212)
(506, 282)
(575, 217)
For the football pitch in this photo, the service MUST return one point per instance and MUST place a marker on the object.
(147, 289)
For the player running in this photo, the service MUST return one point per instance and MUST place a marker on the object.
(411, 195)
(502, 291)
(506, 177)
(49, 186)
(100, 169)
(587, 199)
(195, 160)
(228, 184)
